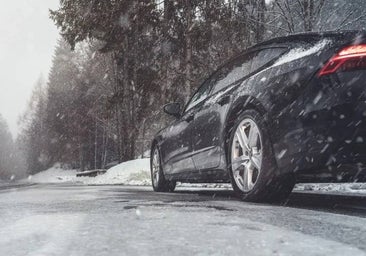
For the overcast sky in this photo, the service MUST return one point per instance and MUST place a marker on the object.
(28, 38)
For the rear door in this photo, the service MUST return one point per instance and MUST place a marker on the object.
(208, 132)
(209, 120)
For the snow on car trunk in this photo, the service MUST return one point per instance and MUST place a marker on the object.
(301, 52)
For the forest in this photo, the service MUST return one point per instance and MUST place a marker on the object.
(118, 62)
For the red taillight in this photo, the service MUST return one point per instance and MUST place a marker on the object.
(348, 59)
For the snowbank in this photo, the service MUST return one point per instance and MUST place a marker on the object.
(343, 188)
(136, 172)
(54, 175)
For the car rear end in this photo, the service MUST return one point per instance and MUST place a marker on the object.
(334, 117)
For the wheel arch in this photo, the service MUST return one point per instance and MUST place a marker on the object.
(157, 143)
(238, 107)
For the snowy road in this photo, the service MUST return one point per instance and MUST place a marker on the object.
(115, 220)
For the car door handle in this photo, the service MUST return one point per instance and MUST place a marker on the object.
(189, 118)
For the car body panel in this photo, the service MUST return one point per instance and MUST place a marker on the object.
(289, 94)
(207, 137)
(176, 147)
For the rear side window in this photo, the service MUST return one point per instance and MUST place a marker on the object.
(232, 72)
(243, 66)
(265, 56)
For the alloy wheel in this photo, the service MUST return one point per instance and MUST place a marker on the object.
(246, 155)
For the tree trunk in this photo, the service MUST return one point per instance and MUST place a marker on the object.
(188, 50)
(260, 26)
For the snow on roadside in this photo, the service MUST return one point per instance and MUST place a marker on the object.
(54, 175)
(343, 188)
(137, 173)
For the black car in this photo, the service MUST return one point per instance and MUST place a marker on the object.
(292, 109)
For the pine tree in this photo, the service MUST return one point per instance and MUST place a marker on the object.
(33, 134)
(6, 150)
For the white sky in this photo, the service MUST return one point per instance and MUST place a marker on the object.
(28, 38)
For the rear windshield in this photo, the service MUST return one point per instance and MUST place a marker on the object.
(243, 66)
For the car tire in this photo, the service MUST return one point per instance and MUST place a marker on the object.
(159, 183)
(257, 178)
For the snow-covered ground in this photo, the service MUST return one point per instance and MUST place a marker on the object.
(134, 172)
(343, 188)
(62, 220)
(137, 173)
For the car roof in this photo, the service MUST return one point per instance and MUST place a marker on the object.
(310, 37)
(307, 37)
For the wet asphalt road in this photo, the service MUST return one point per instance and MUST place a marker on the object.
(117, 220)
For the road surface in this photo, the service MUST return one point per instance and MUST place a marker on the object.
(115, 220)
